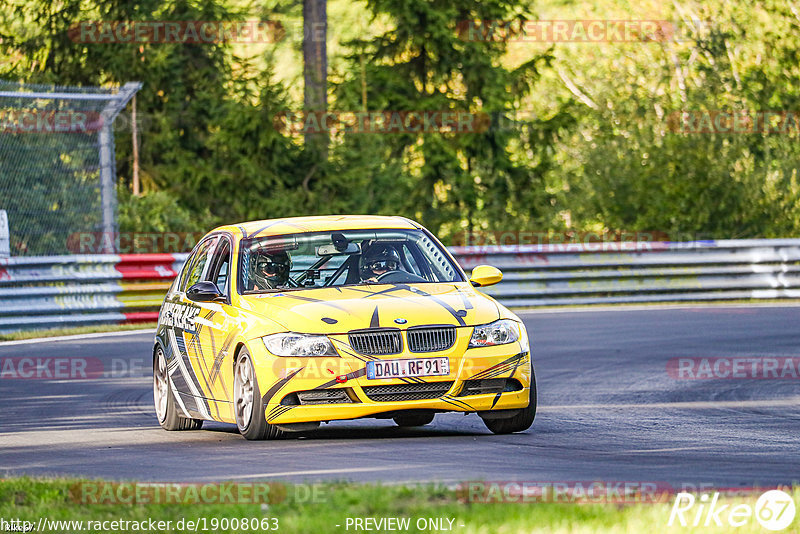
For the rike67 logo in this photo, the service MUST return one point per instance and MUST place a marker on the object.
(774, 510)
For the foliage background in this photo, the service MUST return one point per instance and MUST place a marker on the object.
(589, 147)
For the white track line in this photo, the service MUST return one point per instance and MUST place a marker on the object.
(343, 471)
(76, 337)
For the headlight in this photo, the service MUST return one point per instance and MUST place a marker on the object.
(291, 344)
(497, 333)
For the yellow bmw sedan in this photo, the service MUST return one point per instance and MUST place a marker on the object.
(279, 325)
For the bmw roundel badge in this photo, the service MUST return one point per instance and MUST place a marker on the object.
(400, 320)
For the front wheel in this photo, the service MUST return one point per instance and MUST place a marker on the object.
(247, 402)
(520, 422)
(164, 398)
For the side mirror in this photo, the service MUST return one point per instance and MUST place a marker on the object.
(204, 291)
(485, 275)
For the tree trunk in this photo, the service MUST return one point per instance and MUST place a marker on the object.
(315, 72)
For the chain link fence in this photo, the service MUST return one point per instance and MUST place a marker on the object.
(57, 164)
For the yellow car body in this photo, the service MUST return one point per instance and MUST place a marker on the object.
(197, 343)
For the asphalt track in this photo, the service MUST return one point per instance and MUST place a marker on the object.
(608, 411)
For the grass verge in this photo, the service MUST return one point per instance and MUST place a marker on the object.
(326, 507)
(53, 332)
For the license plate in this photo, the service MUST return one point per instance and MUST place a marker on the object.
(377, 370)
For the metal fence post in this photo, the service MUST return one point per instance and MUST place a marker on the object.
(107, 185)
(108, 163)
(5, 236)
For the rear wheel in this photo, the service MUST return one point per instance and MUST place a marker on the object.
(164, 398)
(520, 422)
(247, 403)
(413, 419)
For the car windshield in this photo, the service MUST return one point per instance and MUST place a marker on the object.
(342, 258)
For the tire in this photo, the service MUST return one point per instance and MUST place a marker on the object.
(164, 398)
(248, 406)
(520, 422)
(413, 419)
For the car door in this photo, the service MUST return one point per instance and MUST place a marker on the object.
(178, 317)
(211, 347)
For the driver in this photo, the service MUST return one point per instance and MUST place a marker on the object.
(271, 270)
(378, 260)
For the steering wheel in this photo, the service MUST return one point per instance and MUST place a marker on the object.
(387, 274)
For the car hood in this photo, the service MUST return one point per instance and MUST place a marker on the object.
(339, 310)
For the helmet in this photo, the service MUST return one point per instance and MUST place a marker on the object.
(379, 257)
(272, 269)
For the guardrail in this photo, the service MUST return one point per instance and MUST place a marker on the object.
(46, 292)
(608, 273)
(54, 291)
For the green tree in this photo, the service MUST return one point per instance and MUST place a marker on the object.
(633, 166)
(207, 116)
(455, 181)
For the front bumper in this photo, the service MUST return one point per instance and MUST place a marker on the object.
(284, 382)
